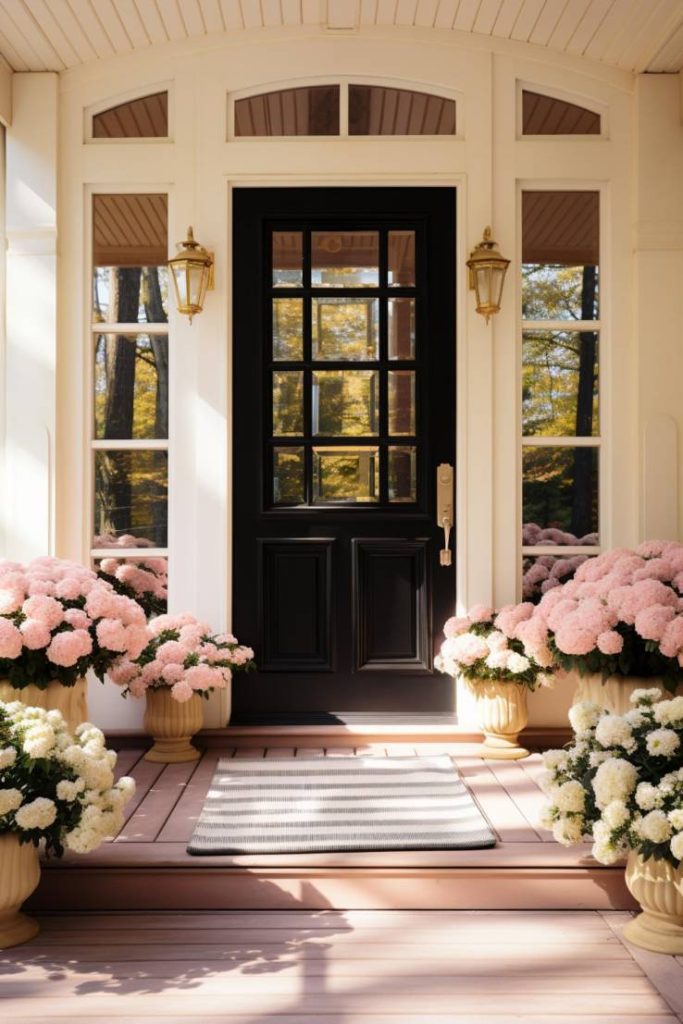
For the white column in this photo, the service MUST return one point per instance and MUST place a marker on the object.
(31, 340)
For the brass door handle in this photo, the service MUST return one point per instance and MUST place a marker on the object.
(444, 509)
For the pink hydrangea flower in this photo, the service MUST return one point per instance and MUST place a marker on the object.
(455, 626)
(66, 648)
(182, 691)
(112, 635)
(572, 638)
(77, 618)
(172, 673)
(10, 640)
(44, 609)
(610, 642)
(651, 622)
(35, 634)
(480, 613)
(172, 652)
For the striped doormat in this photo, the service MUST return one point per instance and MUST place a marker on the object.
(338, 804)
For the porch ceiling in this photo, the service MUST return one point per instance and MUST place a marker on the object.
(52, 35)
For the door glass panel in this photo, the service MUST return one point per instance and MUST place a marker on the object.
(345, 329)
(345, 403)
(288, 259)
(288, 476)
(345, 259)
(401, 328)
(288, 329)
(401, 259)
(401, 402)
(345, 475)
(288, 403)
(560, 492)
(131, 386)
(403, 473)
(560, 383)
(131, 494)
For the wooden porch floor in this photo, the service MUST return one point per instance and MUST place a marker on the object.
(338, 967)
(147, 867)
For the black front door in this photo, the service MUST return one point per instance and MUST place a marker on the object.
(344, 405)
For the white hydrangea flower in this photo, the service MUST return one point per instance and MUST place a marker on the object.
(669, 712)
(635, 717)
(570, 797)
(676, 817)
(676, 846)
(8, 756)
(616, 814)
(646, 696)
(39, 813)
(662, 742)
(555, 760)
(584, 716)
(655, 826)
(547, 816)
(614, 731)
(615, 779)
(39, 740)
(68, 791)
(597, 757)
(605, 850)
(10, 800)
(568, 831)
(647, 796)
(518, 663)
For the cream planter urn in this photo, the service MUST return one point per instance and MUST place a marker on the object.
(658, 887)
(19, 876)
(172, 724)
(614, 694)
(502, 712)
(72, 701)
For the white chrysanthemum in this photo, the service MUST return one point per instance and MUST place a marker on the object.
(647, 796)
(8, 756)
(635, 717)
(498, 661)
(616, 814)
(662, 742)
(127, 786)
(646, 696)
(656, 827)
(569, 797)
(68, 791)
(676, 846)
(676, 817)
(568, 831)
(56, 719)
(669, 712)
(518, 663)
(10, 800)
(615, 779)
(584, 716)
(39, 813)
(39, 740)
(614, 731)
(555, 759)
(547, 816)
(597, 757)
(605, 850)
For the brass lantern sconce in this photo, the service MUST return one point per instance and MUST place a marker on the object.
(192, 273)
(487, 273)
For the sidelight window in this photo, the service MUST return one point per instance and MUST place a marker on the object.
(343, 357)
(130, 410)
(561, 430)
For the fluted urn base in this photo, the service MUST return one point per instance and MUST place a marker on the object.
(614, 694)
(19, 876)
(172, 724)
(502, 714)
(658, 887)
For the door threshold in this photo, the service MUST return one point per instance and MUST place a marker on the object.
(347, 719)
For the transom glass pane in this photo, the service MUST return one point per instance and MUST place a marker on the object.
(345, 475)
(345, 329)
(560, 383)
(378, 110)
(345, 259)
(288, 259)
(345, 402)
(401, 252)
(288, 403)
(401, 326)
(131, 495)
(289, 487)
(401, 401)
(288, 329)
(131, 386)
(309, 110)
(403, 473)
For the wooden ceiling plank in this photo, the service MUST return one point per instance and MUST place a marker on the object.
(641, 48)
(368, 12)
(507, 16)
(593, 17)
(670, 56)
(113, 25)
(232, 14)
(386, 12)
(291, 12)
(92, 26)
(65, 46)
(425, 15)
(129, 14)
(212, 15)
(622, 11)
(466, 15)
(10, 11)
(445, 14)
(12, 56)
(251, 12)
(172, 17)
(151, 19)
(406, 12)
(547, 21)
(487, 16)
(271, 12)
(193, 18)
(526, 20)
(311, 12)
(566, 26)
(37, 34)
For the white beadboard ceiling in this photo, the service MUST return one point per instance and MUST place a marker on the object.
(52, 35)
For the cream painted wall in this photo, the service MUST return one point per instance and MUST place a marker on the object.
(489, 165)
